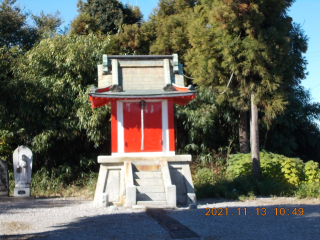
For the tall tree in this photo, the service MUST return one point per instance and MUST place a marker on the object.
(251, 40)
(170, 23)
(47, 24)
(45, 106)
(14, 30)
(105, 16)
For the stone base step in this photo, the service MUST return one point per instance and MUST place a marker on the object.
(139, 168)
(147, 175)
(148, 182)
(151, 197)
(152, 206)
(150, 189)
(147, 203)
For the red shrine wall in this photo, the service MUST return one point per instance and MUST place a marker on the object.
(158, 127)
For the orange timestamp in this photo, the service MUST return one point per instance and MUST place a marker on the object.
(258, 212)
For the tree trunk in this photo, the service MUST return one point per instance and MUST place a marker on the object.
(243, 132)
(255, 140)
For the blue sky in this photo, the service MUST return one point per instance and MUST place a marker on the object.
(304, 12)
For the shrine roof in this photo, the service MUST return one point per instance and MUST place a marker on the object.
(101, 97)
(142, 93)
(123, 77)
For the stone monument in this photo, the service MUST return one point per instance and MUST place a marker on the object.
(22, 168)
(4, 179)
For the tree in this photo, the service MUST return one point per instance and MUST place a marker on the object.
(105, 16)
(203, 126)
(47, 23)
(250, 40)
(170, 23)
(14, 31)
(134, 39)
(295, 133)
(45, 106)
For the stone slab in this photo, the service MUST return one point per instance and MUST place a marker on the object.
(151, 203)
(150, 189)
(113, 185)
(152, 206)
(151, 196)
(147, 175)
(131, 196)
(147, 168)
(148, 182)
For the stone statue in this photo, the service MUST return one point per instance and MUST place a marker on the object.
(22, 170)
(22, 165)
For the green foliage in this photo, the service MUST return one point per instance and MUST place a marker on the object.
(58, 181)
(104, 16)
(312, 172)
(203, 125)
(15, 31)
(290, 171)
(311, 189)
(47, 24)
(170, 22)
(251, 41)
(294, 133)
(239, 165)
(134, 40)
(282, 176)
(203, 176)
(48, 100)
(13, 27)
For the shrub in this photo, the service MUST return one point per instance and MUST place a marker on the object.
(286, 170)
(311, 172)
(281, 176)
(308, 190)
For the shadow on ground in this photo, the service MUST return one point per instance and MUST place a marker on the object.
(259, 222)
(43, 202)
(109, 226)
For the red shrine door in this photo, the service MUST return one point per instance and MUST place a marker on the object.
(147, 138)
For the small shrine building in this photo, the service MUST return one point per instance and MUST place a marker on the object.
(143, 169)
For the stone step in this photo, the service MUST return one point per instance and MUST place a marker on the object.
(150, 189)
(148, 182)
(146, 203)
(152, 206)
(139, 168)
(151, 197)
(147, 175)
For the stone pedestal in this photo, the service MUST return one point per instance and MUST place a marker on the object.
(21, 192)
(147, 181)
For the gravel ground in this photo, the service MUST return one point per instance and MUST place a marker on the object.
(58, 218)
